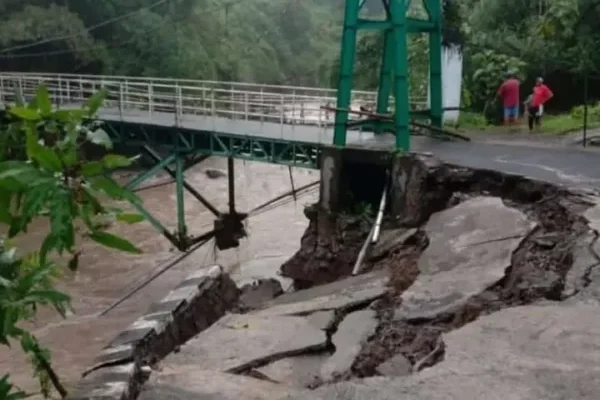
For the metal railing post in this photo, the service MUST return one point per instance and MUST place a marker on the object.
(212, 102)
(81, 88)
(281, 113)
(262, 104)
(178, 105)
(232, 99)
(1, 90)
(293, 107)
(121, 101)
(246, 105)
(150, 96)
(60, 94)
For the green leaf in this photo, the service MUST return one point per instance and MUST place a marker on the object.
(112, 161)
(95, 102)
(61, 219)
(16, 176)
(46, 157)
(101, 138)
(130, 218)
(25, 113)
(93, 168)
(43, 100)
(109, 240)
(114, 190)
(68, 115)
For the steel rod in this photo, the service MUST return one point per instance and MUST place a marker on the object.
(380, 215)
(186, 185)
(179, 179)
(231, 180)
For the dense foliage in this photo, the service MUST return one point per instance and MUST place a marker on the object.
(297, 42)
(47, 179)
(246, 40)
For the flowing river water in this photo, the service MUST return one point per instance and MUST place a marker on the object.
(104, 276)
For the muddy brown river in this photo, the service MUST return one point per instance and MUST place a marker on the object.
(105, 276)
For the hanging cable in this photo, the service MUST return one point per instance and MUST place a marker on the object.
(86, 30)
(114, 46)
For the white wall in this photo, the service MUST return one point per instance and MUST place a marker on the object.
(452, 63)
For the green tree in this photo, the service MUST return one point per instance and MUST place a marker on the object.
(49, 179)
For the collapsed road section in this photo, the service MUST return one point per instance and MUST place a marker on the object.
(480, 285)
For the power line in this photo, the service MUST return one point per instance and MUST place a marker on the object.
(114, 46)
(86, 30)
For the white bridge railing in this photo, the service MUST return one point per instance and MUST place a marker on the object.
(154, 97)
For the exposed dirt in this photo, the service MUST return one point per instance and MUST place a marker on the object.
(537, 272)
(328, 249)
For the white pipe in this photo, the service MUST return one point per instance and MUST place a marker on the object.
(363, 252)
(372, 238)
(379, 215)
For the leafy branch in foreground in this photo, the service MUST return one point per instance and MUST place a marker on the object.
(44, 175)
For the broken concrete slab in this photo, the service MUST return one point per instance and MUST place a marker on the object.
(300, 371)
(391, 239)
(470, 247)
(398, 365)
(190, 383)
(343, 294)
(592, 214)
(239, 342)
(253, 295)
(352, 333)
(523, 353)
(584, 260)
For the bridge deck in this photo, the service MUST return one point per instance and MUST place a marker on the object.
(253, 122)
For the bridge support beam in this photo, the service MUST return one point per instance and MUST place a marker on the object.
(351, 177)
(394, 73)
(229, 227)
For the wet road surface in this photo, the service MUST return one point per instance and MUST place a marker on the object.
(105, 276)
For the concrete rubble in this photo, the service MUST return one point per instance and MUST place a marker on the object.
(470, 247)
(305, 345)
(286, 345)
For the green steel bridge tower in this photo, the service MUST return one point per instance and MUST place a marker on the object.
(394, 73)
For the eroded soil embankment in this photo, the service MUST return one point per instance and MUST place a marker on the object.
(536, 268)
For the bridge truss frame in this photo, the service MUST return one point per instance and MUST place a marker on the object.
(394, 74)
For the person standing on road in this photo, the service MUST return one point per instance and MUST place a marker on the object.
(509, 92)
(541, 94)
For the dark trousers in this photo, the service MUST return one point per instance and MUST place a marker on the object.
(534, 118)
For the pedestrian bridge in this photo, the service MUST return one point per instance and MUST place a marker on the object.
(275, 124)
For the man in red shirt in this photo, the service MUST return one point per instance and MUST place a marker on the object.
(541, 94)
(509, 92)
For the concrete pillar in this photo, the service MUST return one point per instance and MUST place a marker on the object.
(331, 179)
(408, 187)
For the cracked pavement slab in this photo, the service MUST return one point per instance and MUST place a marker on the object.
(546, 352)
(470, 247)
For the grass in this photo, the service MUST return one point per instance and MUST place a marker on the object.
(557, 124)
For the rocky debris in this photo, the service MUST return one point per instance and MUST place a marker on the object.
(253, 295)
(398, 365)
(201, 299)
(522, 353)
(300, 371)
(352, 333)
(470, 247)
(238, 343)
(328, 249)
(212, 173)
(343, 295)
(389, 240)
(191, 383)
(585, 258)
